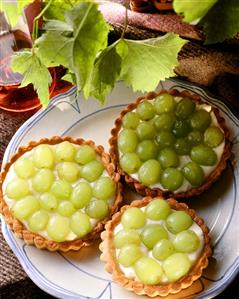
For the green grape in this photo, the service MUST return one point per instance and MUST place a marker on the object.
(65, 151)
(25, 207)
(129, 254)
(130, 120)
(38, 221)
(104, 188)
(176, 266)
(85, 154)
(17, 189)
(213, 136)
(130, 163)
(200, 120)
(24, 168)
(65, 208)
(168, 158)
(92, 170)
(97, 209)
(182, 146)
(68, 171)
(145, 130)
(195, 137)
(149, 172)
(165, 139)
(43, 156)
(164, 122)
(181, 128)
(43, 180)
(151, 234)
(178, 221)
(80, 224)
(203, 155)
(164, 103)
(81, 195)
(126, 236)
(61, 189)
(193, 173)
(172, 179)
(184, 108)
(48, 202)
(157, 209)
(58, 228)
(145, 110)
(127, 141)
(186, 241)
(133, 218)
(163, 249)
(148, 270)
(146, 150)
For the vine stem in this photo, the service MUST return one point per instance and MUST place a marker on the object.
(125, 23)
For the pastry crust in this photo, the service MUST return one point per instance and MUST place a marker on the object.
(39, 241)
(108, 254)
(144, 190)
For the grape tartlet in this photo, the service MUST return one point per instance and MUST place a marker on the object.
(155, 246)
(58, 193)
(170, 143)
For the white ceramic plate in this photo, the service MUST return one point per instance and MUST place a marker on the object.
(81, 274)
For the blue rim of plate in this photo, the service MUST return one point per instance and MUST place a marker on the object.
(38, 277)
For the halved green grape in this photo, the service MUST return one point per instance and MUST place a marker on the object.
(165, 139)
(157, 209)
(85, 154)
(200, 120)
(195, 137)
(130, 120)
(152, 233)
(130, 163)
(172, 179)
(104, 188)
(181, 128)
(186, 241)
(145, 130)
(43, 156)
(163, 249)
(48, 202)
(184, 108)
(148, 270)
(38, 221)
(127, 141)
(176, 266)
(193, 173)
(24, 168)
(168, 158)
(129, 254)
(61, 189)
(43, 180)
(145, 110)
(149, 172)
(146, 150)
(81, 195)
(68, 171)
(58, 228)
(182, 146)
(203, 155)
(164, 103)
(17, 189)
(92, 170)
(65, 151)
(97, 209)
(133, 218)
(80, 224)
(126, 236)
(164, 122)
(66, 208)
(213, 136)
(25, 207)
(178, 221)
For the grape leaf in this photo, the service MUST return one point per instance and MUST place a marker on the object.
(57, 9)
(151, 60)
(69, 77)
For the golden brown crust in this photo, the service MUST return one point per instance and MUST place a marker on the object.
(143, 190)
(35, 239)
(112, 266)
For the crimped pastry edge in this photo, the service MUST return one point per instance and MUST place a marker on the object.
(111, 265)
(39, 241)
(147, 191)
